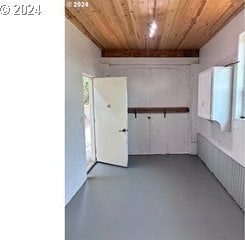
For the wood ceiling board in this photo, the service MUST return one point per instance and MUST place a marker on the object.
(222, 22)
(172, 10)
(77, 23)
(92, 19)
(161, 11)
(124, 18)
(88, 24)
(144, 16)
(118, 22)
(107, 20)
(138, 26)
(225, 12)
(185, 16)
(129, 11)
(176, 28)
(193, 16)
(99, 17)
(203, 25)
(124, 24)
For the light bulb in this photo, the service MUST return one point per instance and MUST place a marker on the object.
(152, 31)
(154, 25)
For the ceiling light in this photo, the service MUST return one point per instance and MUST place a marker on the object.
(154, 25)
(152, 31)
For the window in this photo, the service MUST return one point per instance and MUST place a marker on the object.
(240, 83)
(89, 120)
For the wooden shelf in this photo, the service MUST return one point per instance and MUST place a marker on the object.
(163, 110)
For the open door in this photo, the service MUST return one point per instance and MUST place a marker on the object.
(111, 120)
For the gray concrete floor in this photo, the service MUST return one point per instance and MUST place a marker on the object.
(161, 197)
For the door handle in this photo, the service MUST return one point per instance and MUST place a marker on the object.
(123, 130)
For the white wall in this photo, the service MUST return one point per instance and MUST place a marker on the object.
(157, 83)
(221, 50)
(81, 56)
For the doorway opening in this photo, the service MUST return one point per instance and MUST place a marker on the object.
(88, 104)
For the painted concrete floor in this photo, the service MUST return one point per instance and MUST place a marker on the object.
(161, 197)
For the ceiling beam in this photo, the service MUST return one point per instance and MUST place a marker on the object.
(150, 53)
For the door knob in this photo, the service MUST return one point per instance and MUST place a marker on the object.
(123, 130)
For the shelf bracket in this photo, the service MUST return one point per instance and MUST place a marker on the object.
(164, 112)
(135, 113)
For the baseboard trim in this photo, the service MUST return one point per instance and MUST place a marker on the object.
(91, 167)
(110, 164)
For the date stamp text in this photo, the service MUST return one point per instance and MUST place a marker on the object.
(77, 4)
(20, 9)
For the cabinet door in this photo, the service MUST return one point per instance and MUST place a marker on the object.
(222, 96)
(204, 94)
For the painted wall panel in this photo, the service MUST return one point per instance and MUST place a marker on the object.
(81, 56)
(170, 86)
(169, 135)
(137, 96)
(138, 128)
(227, 170)
(158, 86)
(222, 49)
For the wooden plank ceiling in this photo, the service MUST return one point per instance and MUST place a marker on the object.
(121, 27)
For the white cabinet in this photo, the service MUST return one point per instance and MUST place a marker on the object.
(215, 95)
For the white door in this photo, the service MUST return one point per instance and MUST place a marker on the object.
(111, 120)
